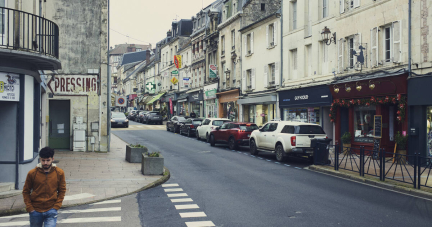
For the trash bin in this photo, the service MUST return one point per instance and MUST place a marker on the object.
(321, 151)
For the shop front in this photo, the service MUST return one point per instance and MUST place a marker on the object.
(258, 110)
(357, 103)
(169, 104)
(420, 116)
(155, 103)
(182, 104)
(196, 103)
(227, 101)
(308, 105)
(210, 101)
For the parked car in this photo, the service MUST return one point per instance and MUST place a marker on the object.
(203, 131)
(174, 123)
(119, 119)
(285, 138)
(141, 116)
(232, 133)
(189, 126)
(153, 117)
(137, 114)
(131, 115)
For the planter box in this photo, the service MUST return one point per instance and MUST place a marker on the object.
(134, 155)
(152, 165)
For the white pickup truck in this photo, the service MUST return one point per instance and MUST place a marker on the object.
(285, 138)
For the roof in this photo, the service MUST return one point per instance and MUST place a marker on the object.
(261, 20)
(123, 48)
(134, 57)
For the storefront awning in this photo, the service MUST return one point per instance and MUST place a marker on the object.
(259, 100)
(306, 97)
(183, 98)
(157, 97)
(147, 99)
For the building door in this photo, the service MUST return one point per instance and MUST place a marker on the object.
(59, 124)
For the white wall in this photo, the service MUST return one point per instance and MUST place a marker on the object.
(28, 117)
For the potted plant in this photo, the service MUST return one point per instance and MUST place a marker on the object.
(346, 142)
(152, 163)
(401, 142)
(134, 152)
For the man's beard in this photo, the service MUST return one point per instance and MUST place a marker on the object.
(46, 167)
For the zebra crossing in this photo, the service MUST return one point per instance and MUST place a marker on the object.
(101, 213)
(141, 127)
(185, 206)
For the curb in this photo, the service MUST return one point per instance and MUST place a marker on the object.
(162, 180)
(389, 186)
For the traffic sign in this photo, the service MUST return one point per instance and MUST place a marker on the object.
(120, 101)
(174, 80)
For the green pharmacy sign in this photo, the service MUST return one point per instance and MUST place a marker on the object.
(150, 86)
(175, 72)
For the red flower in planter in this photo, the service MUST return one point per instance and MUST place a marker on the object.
(386, 98)
(373, 99)
(367, 104)
(401, 106)
(380, 101)
(398, 97)
(398, 112)
(331, 108)
(399, 118)
(331, 120)
(329, 115)
(358, 101)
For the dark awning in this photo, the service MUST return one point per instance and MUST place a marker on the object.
(306, 97)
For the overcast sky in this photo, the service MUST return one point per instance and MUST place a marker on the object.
(147, 21)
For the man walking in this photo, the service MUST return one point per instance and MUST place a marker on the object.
(44, 190)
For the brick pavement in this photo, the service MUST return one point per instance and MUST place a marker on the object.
(92, 177)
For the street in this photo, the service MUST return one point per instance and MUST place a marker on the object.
(234, 188)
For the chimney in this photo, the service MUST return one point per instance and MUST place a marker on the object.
(169, 33)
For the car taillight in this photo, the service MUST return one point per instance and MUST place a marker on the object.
(293, 140)
(241, 130)
(192, 126)
(326, 137)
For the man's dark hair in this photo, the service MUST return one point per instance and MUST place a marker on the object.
(46, 152)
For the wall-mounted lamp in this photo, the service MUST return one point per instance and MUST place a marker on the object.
(372, 84)
(347, 88)
(325, 36)
(358, 87)
(336, 88)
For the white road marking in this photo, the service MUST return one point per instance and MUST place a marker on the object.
(87, 220)
(253, 156)
(188, 206)
(268, 160)
(277, 163)
(170, 185)
(181, 200)
(260, 158)
(193, 215)
(90, 210)
(108, 202)
(173, 190)
(78, 196)
(239, 152)
(245, 153)
(297, 168)
(286, 165)
(15, 216)
(16, 223)
(200, 224)
(177, 195)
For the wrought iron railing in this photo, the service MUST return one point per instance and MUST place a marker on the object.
(28, 32)
(414, 169)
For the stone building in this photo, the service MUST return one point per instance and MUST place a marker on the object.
(78, 93)
(261, 61)
(27, 56)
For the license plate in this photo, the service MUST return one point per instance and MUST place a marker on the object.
(248, 135)
(309, 152)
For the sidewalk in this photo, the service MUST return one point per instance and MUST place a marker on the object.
(94, 177)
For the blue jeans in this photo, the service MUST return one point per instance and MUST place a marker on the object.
(48, 218)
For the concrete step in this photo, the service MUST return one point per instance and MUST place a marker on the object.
(6, 186)
(10, 193)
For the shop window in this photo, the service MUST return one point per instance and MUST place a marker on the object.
(363, 123)
(306, 115)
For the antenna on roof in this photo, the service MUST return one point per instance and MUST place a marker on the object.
(176, 17)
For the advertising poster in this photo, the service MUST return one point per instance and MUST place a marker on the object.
(9, 87)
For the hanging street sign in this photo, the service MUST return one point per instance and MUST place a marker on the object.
(174, 80)
(175, 72)
(178, 61)
(213, 71)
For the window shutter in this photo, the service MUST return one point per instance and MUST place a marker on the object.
(340, 55)
(245, 45)
(265, 76)
(275, 32)
(356, 3)
(374, 47)
(341, 6)
(397, 38)
(277, 76)
(267, 36)
(253, 79)
(244, 88)
(252, 44)
(357, 44)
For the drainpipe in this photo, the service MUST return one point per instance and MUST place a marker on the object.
(281, 62)
(409, 39)
(108, 85)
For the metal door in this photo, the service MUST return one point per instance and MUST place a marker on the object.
(59, 124)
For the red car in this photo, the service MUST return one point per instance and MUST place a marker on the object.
(232, 133)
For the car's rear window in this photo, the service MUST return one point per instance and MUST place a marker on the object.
(218, 123)
(196, 122)
(309, 129)
(118, 115)
(248, 128)
(181, 118)
(155, 113)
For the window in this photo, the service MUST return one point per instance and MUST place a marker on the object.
(249, 79)
(294, 15)
(306, 114)
(223, 44)
(138, 49)
(294, 59)
(249, 43)
(273, 127)
(324, 8)
(262, 7)
(288, 129)
(351, 53)
(234, 7)
(271, 35)
(115, 79)
(363, 123)
(218, 122)
(224, 126)
(308, 129)
(272, 73)
(266, 127)
(232, 39)
(387, 44)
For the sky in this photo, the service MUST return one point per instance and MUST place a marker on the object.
(147, 21)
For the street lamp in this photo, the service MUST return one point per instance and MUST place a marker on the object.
(325, 36)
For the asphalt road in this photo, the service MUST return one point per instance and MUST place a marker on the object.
(233, 188)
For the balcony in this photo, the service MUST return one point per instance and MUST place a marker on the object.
(29, 41)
